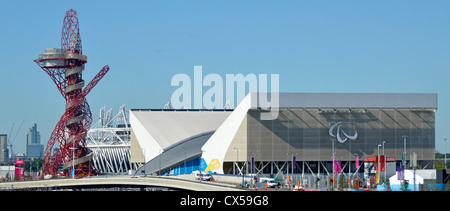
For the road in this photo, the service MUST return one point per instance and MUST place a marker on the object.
(119, 181)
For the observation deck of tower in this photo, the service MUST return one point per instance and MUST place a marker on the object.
(65, 66)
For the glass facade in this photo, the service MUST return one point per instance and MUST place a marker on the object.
(305, 133)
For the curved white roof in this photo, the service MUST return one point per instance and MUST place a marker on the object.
(158, 130)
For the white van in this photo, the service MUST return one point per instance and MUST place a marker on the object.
(202, 176)
(270, 182)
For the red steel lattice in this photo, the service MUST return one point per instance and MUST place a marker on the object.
(65, 67)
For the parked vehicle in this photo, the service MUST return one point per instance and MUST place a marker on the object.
(270, 182)
(203, 176)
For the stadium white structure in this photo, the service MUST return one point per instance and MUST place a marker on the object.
(109, 140)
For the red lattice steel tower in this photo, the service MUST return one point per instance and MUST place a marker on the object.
(65, 66)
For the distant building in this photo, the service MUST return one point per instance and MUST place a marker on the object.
(3, 148)
(34, 146)
(310, 130)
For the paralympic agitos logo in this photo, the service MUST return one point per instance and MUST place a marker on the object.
(343, 132)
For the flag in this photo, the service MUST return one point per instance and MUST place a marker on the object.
(376, 162)
(253, 163)
(382, 163)
(357, 162)
(293, 163)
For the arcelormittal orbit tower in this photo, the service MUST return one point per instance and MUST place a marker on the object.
(65, 66)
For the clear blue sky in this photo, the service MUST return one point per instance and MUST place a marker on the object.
(315, 46)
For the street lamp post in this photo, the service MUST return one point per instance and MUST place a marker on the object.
(332, 158)
(445, 152)
(73, 162)
(184, 160)
(384, 162)
(404, 150)
(160, 155)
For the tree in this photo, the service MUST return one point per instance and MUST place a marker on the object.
(28, 177)
(35, 165)
(441, 157)
(8, 177)
(439, 164)
(341, 182)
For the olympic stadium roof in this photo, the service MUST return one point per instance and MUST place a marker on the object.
(354, 100)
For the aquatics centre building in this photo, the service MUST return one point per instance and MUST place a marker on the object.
(310, 130)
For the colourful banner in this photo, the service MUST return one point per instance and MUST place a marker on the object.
(376, 162)
(382, 167)
(211, 166)
(253, 163)
(357, 162)
(293, 163)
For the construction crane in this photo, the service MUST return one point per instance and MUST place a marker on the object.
(10, 142)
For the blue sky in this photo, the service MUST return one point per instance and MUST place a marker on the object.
(315, 46)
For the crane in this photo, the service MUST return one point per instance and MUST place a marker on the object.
(10, 142)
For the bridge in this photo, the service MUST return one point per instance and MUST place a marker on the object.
(101, 182)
